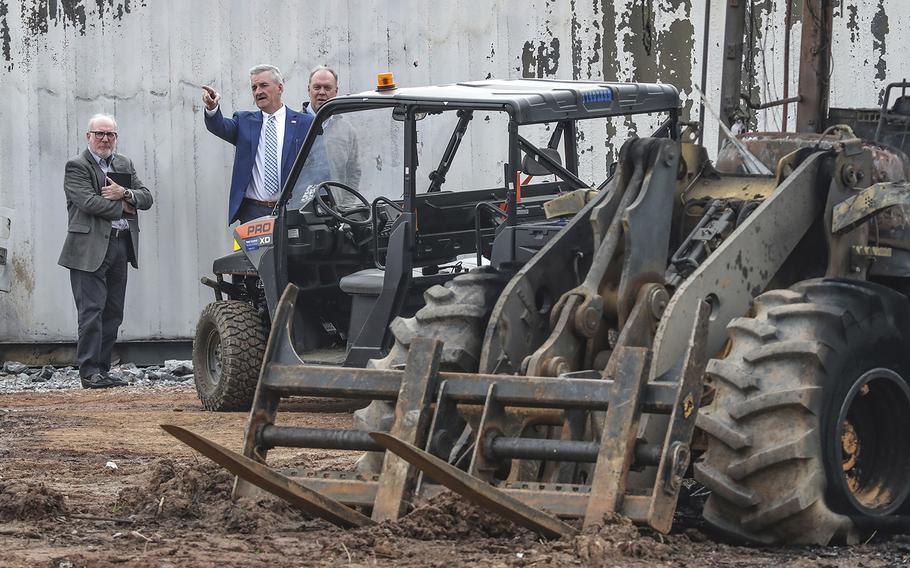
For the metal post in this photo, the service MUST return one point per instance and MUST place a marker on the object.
(788, 23)
(814, 65)
(706, 36)
(731, 77)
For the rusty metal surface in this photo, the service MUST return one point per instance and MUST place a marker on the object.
(814, 64)
(271, 436)
(678, 440)
(851, 172)
(463, 388)
(573, 428)
(254, 472)
(636, 244)
(492, 425)
(646, 227)
(561, 499)
(476, 491)
(412, 417)
(872, 200)
(608, 484)
(770, 147)
(351, 492)
(571, 501)
(889, 163)
(279, 349)
(731, 75)
(730, 186)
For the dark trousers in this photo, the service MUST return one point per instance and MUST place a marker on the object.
(100, 296)
(249, 211)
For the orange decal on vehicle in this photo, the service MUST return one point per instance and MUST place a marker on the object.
(255, 229)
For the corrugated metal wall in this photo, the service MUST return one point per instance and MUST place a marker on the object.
(63, 60)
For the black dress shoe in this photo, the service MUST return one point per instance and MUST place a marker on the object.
(116, 381)
(99, 381)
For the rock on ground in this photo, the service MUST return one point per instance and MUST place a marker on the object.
(18, 377)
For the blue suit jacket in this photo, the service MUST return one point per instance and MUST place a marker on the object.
(243, 130)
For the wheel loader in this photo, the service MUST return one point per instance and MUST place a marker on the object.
(745, 325)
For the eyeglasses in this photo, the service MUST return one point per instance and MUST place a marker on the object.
(100, 135)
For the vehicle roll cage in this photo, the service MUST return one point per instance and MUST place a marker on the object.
(526, 101)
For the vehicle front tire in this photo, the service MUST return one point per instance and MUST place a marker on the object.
(227, 355)
(457, 314)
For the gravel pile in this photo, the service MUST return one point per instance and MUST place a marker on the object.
(16, 377)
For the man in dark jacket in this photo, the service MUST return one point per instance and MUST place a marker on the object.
(102, 237)
(267, 142)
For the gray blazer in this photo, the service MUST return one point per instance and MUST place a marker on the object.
(90, 215)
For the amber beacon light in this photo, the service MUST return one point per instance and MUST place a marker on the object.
(385, 82)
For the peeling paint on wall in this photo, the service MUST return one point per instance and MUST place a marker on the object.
(5, 37)
(541, 60)
(610, 61)
(675, 63)
(853, 23)
(758, 43)
(585, 54)
(868, 54)
(636, 28)
(167, 48)
(879, 30)
(39, 16)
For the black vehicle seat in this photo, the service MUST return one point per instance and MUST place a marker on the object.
(901, 105)
(365, 286)
(367, 282)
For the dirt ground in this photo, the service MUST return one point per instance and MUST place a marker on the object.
(88, 479)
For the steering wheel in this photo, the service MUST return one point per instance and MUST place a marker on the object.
(345, 215)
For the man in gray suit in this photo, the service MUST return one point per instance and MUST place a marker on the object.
(339, 137)
(103, 236)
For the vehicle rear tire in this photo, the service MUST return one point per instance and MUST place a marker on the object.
(227, 355)
(809, 427)
(456, 313)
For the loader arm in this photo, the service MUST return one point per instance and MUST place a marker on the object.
(630, 224)
(616, 232)
(743, 265)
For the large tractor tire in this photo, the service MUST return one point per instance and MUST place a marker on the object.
(455, 313)
(809, 428)
(227, 355)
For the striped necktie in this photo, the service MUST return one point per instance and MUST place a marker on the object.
(271, 157)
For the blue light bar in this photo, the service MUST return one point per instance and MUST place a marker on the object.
(598, 96)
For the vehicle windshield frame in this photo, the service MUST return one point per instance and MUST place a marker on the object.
(346, 106)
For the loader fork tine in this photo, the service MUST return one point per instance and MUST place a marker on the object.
(304, 498)
(475, 490)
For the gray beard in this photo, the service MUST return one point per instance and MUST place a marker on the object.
(102, 153)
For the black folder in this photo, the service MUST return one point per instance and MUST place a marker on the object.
(124, 180)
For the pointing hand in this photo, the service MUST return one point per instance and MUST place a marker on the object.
(210, 97)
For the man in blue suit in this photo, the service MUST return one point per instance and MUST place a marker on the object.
(267, 143)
